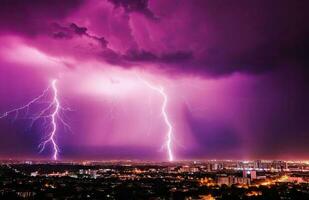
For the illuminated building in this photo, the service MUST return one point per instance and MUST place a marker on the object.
(253, 174)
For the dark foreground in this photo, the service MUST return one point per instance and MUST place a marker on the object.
(147, 181)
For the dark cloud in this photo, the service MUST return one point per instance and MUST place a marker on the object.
(139, 6)
(72, 30)
(61, 32)
(33, 17)
(201, 37)
(220, 38)
(78, 30)
(212, 134)
(142, 55)
(284, 122)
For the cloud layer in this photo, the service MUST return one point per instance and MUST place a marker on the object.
(212, 38)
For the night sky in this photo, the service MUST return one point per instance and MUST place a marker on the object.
(235, 74)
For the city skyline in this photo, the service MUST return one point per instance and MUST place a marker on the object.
(208, 180)
(154, 80)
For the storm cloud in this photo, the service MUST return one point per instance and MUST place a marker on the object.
(214, 38)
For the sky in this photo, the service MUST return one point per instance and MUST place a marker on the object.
(233, 76)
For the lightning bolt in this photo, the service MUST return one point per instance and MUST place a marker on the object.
(168, 142)
(50, 114)
(51, 137)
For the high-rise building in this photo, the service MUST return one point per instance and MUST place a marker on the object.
(244, 173)
(215, 167)
(253, 174)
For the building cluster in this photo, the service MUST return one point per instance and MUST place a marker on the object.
(148, 180)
